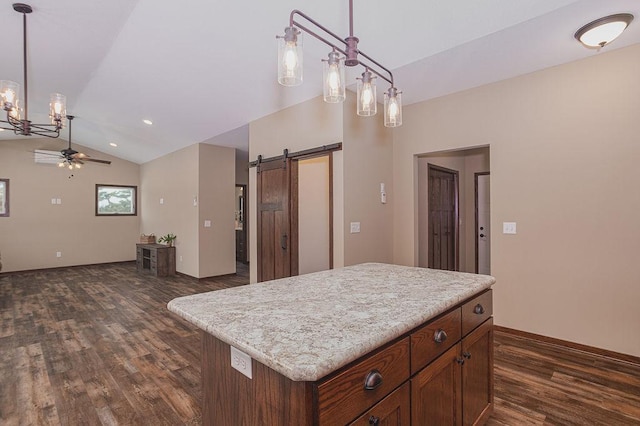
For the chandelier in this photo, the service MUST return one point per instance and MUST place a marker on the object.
(345, 52)
(17, 118)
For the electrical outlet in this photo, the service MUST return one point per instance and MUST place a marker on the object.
(180, 258)
(241, 362)
(58, 254)
(355, 227)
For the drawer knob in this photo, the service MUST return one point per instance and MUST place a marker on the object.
(467, 355)
(373, 380)
(440, 336)
(460, 361)
(374, 421)
(479, 309)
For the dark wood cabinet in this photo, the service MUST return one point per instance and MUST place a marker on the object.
(394, 410)
(477, 374)
(436, 392)
(425, 377)
(156, 259)
(457, 388)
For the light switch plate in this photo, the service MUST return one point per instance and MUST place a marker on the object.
(207, 224)
(508, 227)
(355, 227)
(241, 362)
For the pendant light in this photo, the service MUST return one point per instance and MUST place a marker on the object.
(17, 116)
(344, 52)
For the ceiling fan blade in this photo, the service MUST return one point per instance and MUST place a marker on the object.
(49, 153)
(95, 160)
(75, 160)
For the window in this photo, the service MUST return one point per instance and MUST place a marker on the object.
(114, 200)
(4, 197)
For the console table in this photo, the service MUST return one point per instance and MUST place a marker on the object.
(157, 259)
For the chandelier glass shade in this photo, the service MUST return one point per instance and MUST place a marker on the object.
(17, 107)
(333, 78)
(344, 52)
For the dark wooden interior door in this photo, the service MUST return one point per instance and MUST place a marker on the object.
(274, 222)
(443, 218)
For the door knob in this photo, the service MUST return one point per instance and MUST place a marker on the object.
(481, 235)
(283, 242)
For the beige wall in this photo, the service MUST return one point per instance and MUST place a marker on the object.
(564, 166)
(217, 190)
(36, 229)
(173, 179)
(195, 183)
(368, 149)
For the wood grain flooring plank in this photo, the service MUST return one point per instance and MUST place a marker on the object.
(95, 345)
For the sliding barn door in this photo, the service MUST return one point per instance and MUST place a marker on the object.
(443, 218)
(274, 221)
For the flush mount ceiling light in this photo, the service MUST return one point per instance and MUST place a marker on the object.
(603, 31)
(290, 68)
(18, 116)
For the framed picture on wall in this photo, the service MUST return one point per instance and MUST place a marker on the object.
(4, 197)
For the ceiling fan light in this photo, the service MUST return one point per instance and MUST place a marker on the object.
(603, 31)
(77, 165)
(61, 164)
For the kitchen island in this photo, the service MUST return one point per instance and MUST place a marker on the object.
(346, 345)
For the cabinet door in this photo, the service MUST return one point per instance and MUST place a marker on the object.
(436, 397)
(477, 374)
(391, 411)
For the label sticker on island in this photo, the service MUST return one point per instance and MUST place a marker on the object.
(241, 362)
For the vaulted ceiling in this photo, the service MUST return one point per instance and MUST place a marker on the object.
(201, 68)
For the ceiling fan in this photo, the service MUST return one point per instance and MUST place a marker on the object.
(73, 159)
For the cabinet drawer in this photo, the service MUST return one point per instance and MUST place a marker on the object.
(476, 311)
(343, 397)
(434, 339)
(393, 410)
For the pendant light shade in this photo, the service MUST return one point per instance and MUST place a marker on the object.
(290, 57)
(392, 108)
(333, 78)
(57, 107)
(367, 105)
(9, 92)
(603, 31)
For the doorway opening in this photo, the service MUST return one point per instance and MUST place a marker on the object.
(240, 222)
(434, 247)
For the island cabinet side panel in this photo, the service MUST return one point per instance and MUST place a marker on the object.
(268, 398)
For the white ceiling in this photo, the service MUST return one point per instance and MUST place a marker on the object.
(203, 68)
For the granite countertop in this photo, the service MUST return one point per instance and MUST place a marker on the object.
(308, 326)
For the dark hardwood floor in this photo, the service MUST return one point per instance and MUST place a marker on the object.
(96, 345)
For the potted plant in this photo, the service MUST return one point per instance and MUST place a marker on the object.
(169, 239)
